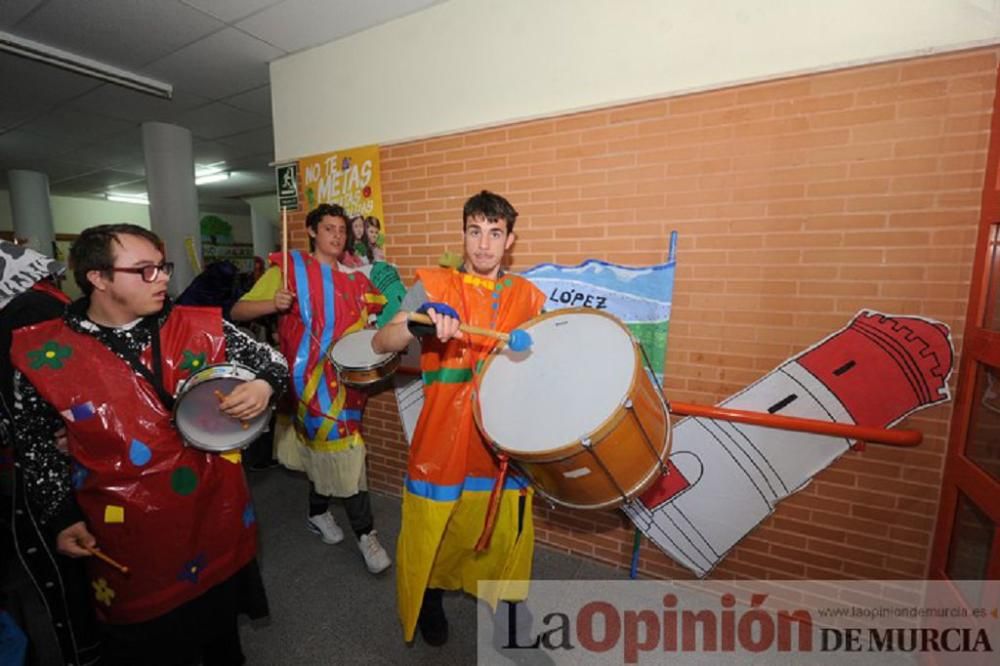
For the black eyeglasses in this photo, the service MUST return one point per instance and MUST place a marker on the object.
(148, 273)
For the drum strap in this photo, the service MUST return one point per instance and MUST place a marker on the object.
(494, 504)
(155, 378)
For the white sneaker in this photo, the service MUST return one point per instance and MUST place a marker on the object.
(326, 527)
(376, 559)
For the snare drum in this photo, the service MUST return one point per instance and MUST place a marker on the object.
(198, 417)
(357, 363)
(579, 412)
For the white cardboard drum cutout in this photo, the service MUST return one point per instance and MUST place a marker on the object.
(576, 374)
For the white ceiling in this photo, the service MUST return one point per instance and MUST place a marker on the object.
(86, 134)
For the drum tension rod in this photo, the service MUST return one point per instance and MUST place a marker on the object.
(589, 448)
(664, 403)
(645, 436)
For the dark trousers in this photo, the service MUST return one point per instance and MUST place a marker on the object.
(203, 631)
(359, 509)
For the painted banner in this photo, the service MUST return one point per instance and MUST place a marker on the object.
(639, 297)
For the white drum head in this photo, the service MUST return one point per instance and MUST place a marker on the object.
(355, 351)
(197, 414)
(576, 374)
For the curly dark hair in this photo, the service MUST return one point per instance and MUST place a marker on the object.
(318, 213)
(491, 206)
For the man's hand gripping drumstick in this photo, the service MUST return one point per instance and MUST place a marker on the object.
(446, 325)
(517, 339)
(77, 541)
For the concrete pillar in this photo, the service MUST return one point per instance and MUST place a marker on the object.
(32, 209)
(173, 198)
(263, 232)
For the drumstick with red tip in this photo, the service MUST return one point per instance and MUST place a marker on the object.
(517, 339)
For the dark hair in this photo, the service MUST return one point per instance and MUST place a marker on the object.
(321, 211)
(491, 206)
(92, 251)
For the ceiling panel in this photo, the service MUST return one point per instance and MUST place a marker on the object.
(219, 66)
(254, 142)
(257, 100)
(239, 184)
(18, 145)
(218, 120)
(14, 113)
(126, 34)
(123, 153)
(209, 152)
(97, 182)
(136, 106)
(79, 127)
(261, 161)
(230, 10)
(12, 11)
(22, 79)
(295, 25)
(55, 169)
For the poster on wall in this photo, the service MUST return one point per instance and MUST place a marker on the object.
(350, 178)
(639, 297)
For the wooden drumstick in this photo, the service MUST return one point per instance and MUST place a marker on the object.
(284, 247)
(517, 339)
(96, 552)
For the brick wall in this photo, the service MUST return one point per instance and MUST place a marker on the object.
(798, 203)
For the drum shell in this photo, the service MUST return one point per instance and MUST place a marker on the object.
(363, 377)
(618, 460)
(360, 367)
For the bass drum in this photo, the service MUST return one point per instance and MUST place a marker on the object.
(579, 412)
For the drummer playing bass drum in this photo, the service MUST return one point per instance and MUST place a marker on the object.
(179, 518)
(321, 304)
(450, 472)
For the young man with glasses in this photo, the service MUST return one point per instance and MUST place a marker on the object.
(180, 519)
(451, 472)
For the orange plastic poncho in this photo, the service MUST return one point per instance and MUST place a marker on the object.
(451, 470)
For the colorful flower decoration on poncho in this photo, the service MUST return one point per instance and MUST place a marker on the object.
(50, 354)
(192, 362)
(192, 569)
(103, 591)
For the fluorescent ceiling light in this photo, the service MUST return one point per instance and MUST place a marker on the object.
(72, 62)
(141, 199)
(211, 178)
